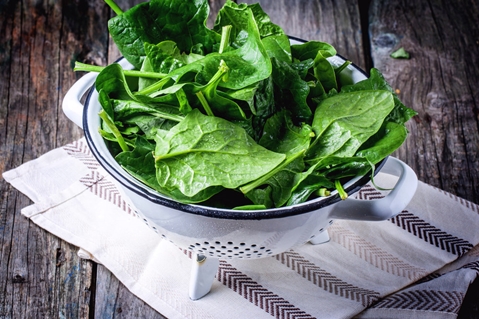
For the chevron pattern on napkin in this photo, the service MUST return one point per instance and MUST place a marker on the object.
(417, 264)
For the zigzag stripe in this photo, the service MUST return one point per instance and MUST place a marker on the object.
(105, 189)
(327, 281)
(270, 302)
(367, 192)
(431, 234)
(373, 254)
(474, 207)
(429, 277)
(430, 300)
(80, 151)
(472, 265)
(90, 179)
(77, 147)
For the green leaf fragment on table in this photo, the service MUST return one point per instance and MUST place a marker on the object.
(400, 53)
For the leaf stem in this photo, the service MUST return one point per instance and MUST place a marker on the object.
(153, 87)
(342, 67)
(323, 192)
(96, 68)
(225, 38)
(204, 103)
(342, 193)
(104, 116)
(114, 6)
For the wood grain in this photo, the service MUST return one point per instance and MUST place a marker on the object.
(438, 81)
(41, 276)
(335, 22)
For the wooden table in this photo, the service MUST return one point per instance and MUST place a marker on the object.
(41, 276)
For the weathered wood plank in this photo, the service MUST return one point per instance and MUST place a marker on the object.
(41, 276)
(438, 81)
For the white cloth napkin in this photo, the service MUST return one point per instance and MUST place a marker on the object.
(418, 264)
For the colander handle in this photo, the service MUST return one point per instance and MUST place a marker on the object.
(386, 207)
(72, 106)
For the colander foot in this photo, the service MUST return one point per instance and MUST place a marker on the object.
(203, 273)
(320, 238)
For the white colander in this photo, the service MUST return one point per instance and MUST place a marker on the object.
(212, 233)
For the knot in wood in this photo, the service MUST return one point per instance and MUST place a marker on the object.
(386, 40)
(18, 278)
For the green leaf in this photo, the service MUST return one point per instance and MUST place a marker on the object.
(401, 113)
(282, 136)
(310, 49)
(158, 20)
(389, 138)
(400, 53)
(343, 122)
(293, 91)
(140, 163)
(112, 81)
(280, 184)
(204, 151)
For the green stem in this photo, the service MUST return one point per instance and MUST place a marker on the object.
(225, 38)
(260, 181)
(204, 103)
(323, 192)
(342, 193)
(167, 116)
(153, 87)
(95, 68)
(104, 116)
(342, 67)
(114, 6)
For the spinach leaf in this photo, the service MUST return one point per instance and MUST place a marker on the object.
(159, 20)
(389, 138)
(140, 163)
(279, 185)
(401, 113)
(209, 151)
(293, 91)
(343, 122)
(112, 81)
(282, 136)
(310, 49)
(125, 108)
(307, 183)
(323, 70)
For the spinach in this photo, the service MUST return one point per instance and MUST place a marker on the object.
(160, 20)
(343, 122)
(235, 116)
(209, 151)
